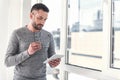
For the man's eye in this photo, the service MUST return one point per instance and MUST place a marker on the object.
(39, 18)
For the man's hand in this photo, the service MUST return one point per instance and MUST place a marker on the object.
(54, 62)
(33, 47)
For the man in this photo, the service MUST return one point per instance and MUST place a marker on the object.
(30, 46)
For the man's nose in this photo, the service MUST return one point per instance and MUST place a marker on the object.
(42, 22)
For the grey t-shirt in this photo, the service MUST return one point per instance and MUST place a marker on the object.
(26, 66)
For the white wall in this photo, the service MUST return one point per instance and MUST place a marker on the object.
(25, 12)
(3, 35)
(14, 20)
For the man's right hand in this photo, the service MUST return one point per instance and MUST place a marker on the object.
(33, 47)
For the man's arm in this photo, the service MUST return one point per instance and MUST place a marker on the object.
(13, 57)
(51, 51)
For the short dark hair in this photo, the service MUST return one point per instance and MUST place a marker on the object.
(40, 6)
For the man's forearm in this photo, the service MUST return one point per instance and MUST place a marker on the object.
(16, 59)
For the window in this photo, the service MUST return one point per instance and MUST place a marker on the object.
(85, 33)
(116, 33)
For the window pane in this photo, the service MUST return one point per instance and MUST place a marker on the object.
(85, 34)
(116, 34)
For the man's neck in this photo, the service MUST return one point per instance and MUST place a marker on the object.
(31, 28)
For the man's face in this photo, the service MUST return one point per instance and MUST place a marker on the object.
(38, 19)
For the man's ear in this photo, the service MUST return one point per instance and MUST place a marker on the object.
(31, 15)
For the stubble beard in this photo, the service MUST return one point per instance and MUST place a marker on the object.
(37, 26)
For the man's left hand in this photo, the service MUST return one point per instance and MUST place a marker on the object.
(54, 62)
